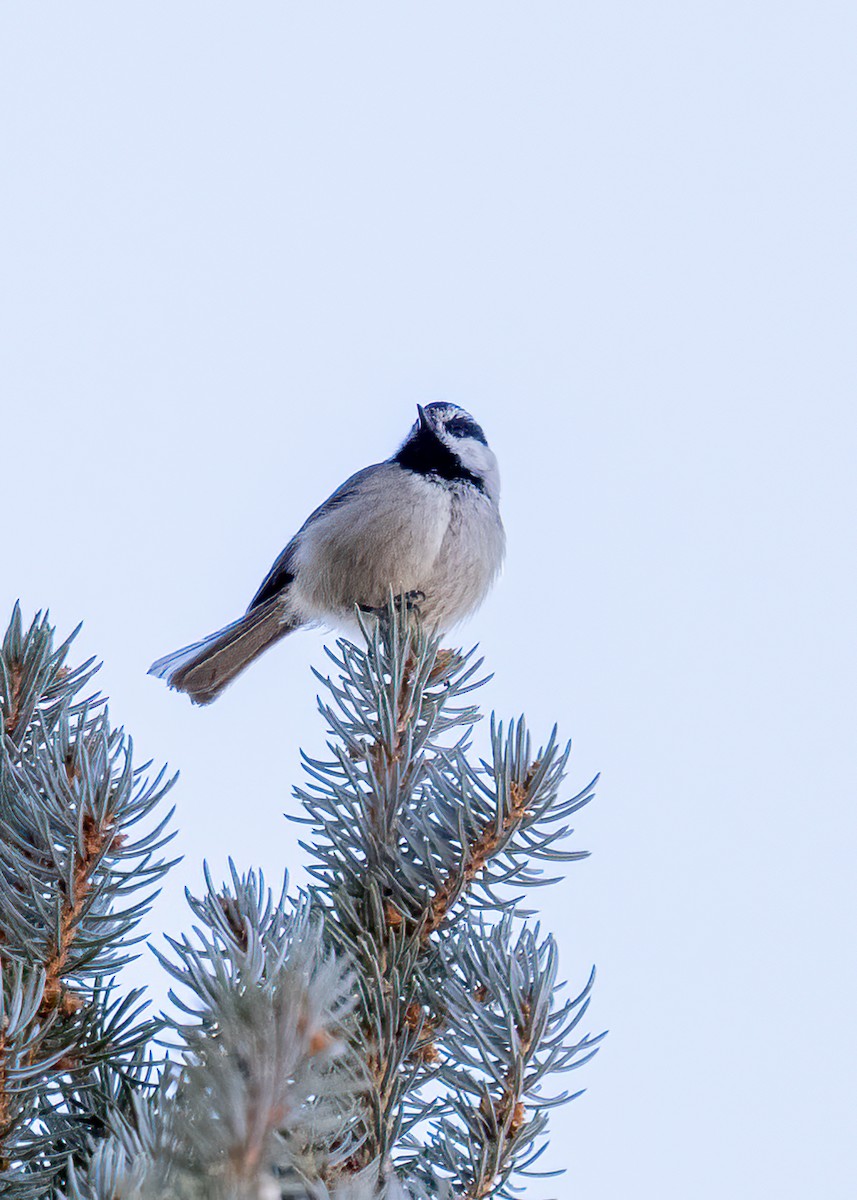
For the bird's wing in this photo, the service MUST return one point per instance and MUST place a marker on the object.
(282, 572)
(278, 578)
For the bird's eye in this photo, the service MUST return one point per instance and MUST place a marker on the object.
(465, 427)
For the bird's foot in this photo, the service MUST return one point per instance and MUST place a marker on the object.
(412, 601)
(406, 605)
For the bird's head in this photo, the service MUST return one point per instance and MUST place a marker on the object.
(446, 442)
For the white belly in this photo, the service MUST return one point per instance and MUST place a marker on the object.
(404, 532)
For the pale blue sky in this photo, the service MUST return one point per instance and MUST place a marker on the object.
(240, 242)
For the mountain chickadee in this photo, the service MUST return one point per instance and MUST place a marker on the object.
(425, 523)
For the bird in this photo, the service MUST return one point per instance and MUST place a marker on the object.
(423, 526)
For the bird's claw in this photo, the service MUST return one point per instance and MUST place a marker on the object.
(413, 600)
(410, 601)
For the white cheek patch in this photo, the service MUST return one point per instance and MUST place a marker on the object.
(477, 458)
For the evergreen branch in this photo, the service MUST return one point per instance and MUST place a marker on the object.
(409, 839)
(71, 852)
(486, 845)
(94, 841)
(268, 1083)
(34, 677)
(387, 1036)
(506, 1036)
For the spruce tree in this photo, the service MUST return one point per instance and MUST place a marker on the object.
(391, 1031)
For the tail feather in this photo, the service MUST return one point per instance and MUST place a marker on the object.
(204, 669)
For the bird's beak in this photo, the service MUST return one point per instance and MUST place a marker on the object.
(424, 421)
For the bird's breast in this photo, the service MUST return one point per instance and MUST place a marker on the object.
(388, 534)
(469, 559)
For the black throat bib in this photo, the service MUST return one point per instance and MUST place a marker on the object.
(425, 454)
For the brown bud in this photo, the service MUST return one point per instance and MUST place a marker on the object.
(70, 1003)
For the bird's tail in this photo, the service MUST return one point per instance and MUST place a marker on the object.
(204, 669)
